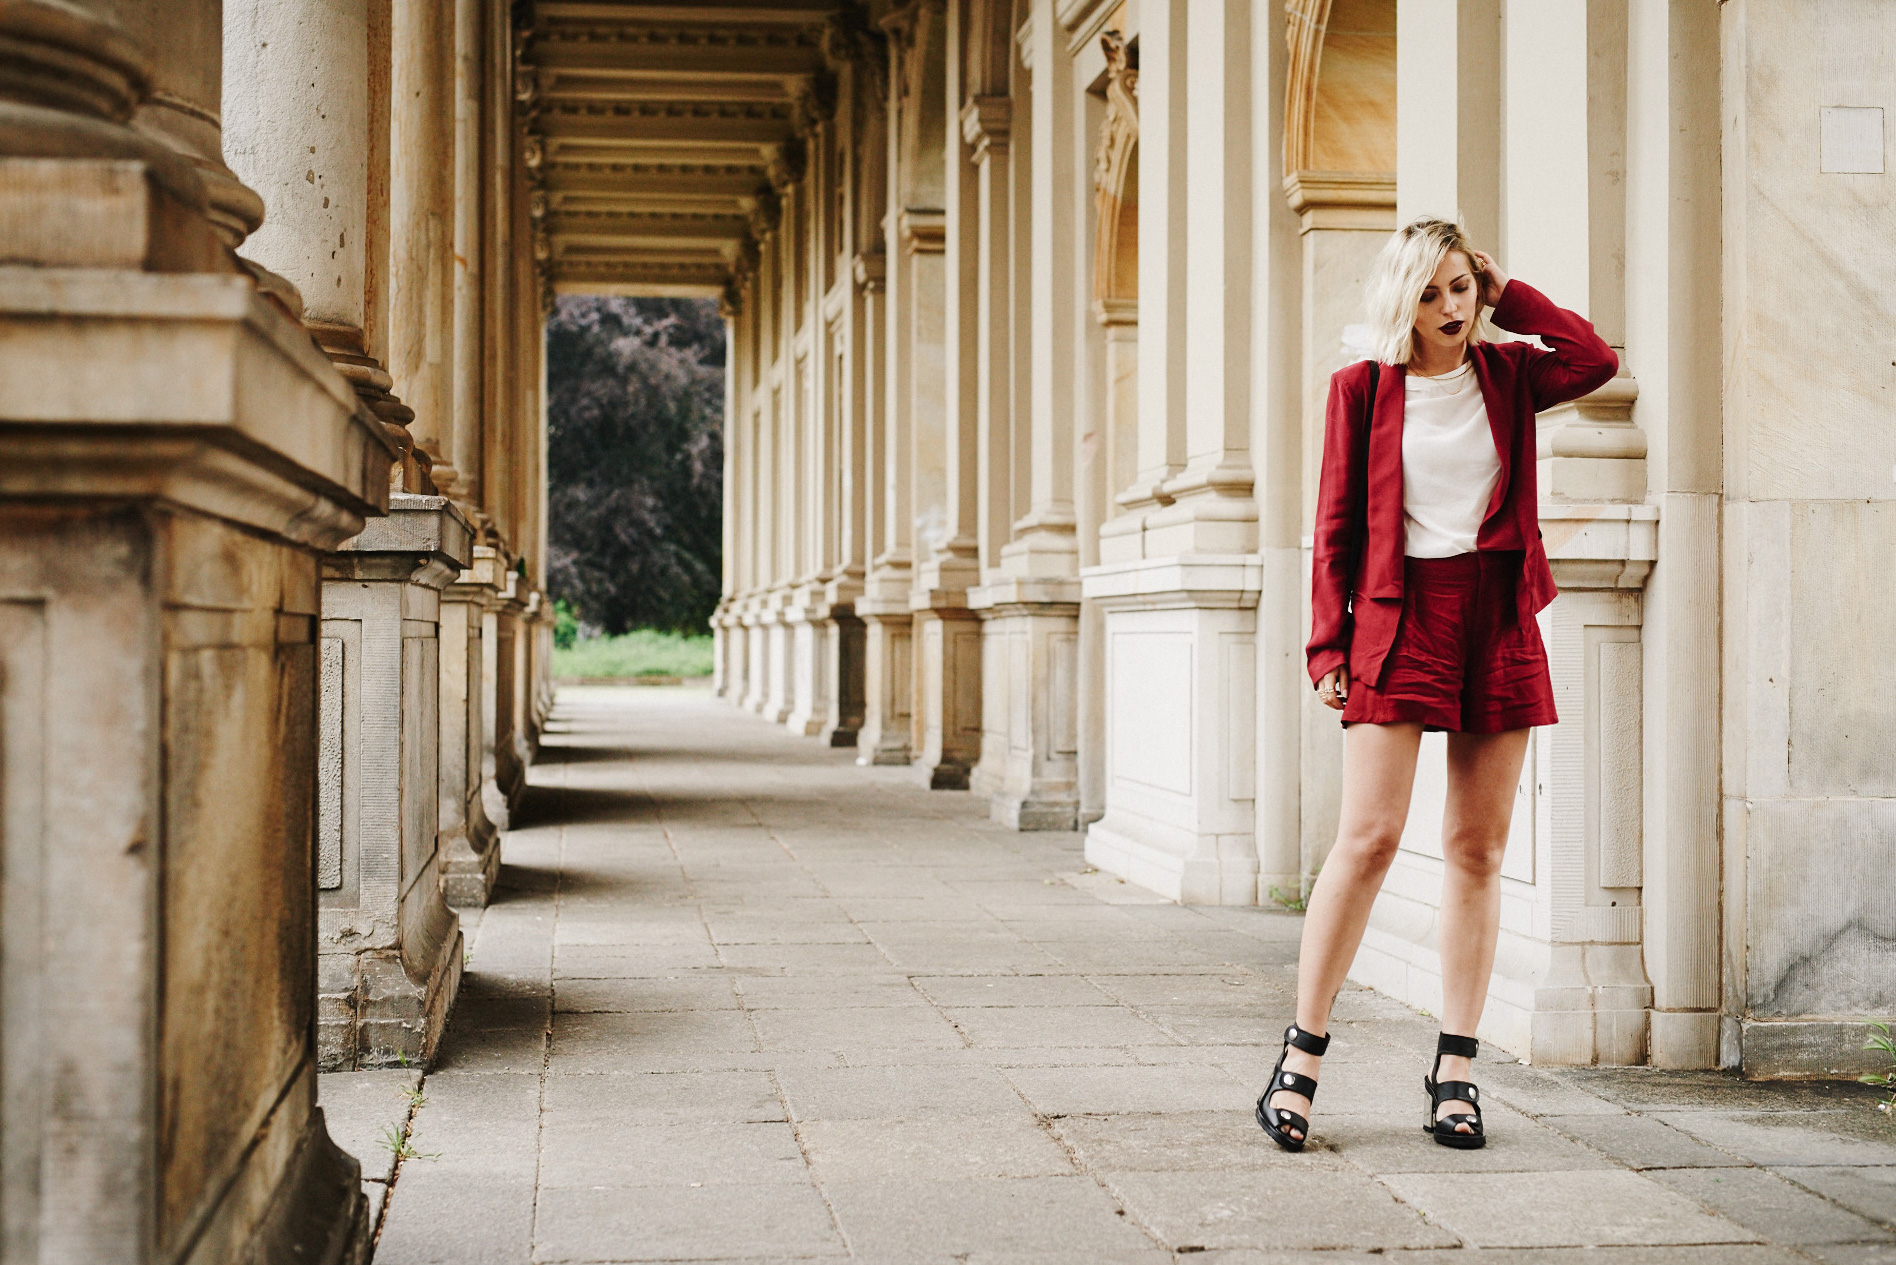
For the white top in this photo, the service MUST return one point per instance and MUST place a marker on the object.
(1449, 464)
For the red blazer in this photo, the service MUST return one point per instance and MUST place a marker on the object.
(1356, 561)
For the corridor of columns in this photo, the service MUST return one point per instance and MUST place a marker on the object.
(1031, 309)
(738, 999)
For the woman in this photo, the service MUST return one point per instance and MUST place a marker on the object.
(1427, 573)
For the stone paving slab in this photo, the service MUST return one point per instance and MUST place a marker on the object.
(739, 999)
(1779, 1211)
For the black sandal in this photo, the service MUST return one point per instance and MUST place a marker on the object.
(1444, 1130)
(1275, 1120)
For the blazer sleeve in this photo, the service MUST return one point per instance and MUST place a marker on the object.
(1337, 537)
(1580, 360)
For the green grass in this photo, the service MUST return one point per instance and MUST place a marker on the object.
(640, 653)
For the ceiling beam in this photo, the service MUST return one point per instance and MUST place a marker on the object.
(713, 63)
(657, 181)
(762, 12)
(681, 128)
(642, 230)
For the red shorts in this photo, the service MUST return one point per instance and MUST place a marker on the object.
(1461, 661)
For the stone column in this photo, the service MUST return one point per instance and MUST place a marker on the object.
(911, 403)
(175, 457)
(307, 130)
(820, 414)
(1106, 260)
(943, 261)
(469, 843)
(1033, 195)
(390, 948)
(1179, 573)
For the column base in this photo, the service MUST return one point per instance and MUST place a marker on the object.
(1806, 1048)
(1051, 813)
(942, 777)
(1181, 724)
(470, 865)
(1684, 1038)
(948, 646)
(1029, 766)
(372, 1012)
(888, 681)
(1192, 870)
(319, 1214)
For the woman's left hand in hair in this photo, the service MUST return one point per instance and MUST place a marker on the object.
(1493, 280)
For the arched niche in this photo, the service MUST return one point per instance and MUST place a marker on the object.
(1340, 103)
(1116, 265)
(1116, 185)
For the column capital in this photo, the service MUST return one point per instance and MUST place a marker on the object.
(986, 123)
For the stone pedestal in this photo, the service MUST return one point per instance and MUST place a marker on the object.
(1181, 687)
(843, 651)
(947, 729)
(888, 671)
(469, 842)
(806, 619)
(1029, 767)
(390, 947)
(750, 631)
(175, 455)
(503, 775)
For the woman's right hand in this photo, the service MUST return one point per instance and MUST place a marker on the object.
(1334, 688)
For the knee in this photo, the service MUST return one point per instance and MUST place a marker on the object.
(1372, 844)
(1476, 854)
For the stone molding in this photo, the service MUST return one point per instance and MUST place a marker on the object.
(310, 467)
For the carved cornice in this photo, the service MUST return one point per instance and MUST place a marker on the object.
(850, 42)
(785, 165)
(871, 272)
(986, 123)
(1358, 200)
(812, 103)
(922, 232)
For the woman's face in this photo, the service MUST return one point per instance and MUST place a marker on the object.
(1445, 317)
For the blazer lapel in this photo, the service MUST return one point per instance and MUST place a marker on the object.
(1497, 406)
(1382, 576)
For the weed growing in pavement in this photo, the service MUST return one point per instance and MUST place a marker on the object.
(396, 1142)
(1882, 1041)
(1301, 901)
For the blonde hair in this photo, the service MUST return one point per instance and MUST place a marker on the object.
(1403, 269)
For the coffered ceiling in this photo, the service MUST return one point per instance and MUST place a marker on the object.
(656, 132)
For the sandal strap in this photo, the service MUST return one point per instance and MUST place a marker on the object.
(1448, 1124)
(1457, 1047)
(1294, 1083)
(1457, 1091)
(1306, 1042)
(1284, 1119)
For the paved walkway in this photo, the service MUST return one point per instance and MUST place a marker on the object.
(741, 999)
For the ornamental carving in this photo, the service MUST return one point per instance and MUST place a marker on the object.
(1116, 176)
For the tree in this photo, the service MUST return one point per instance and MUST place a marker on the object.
(635, 460)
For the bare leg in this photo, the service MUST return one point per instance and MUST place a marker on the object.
(1378, 775)
(1483, 772)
